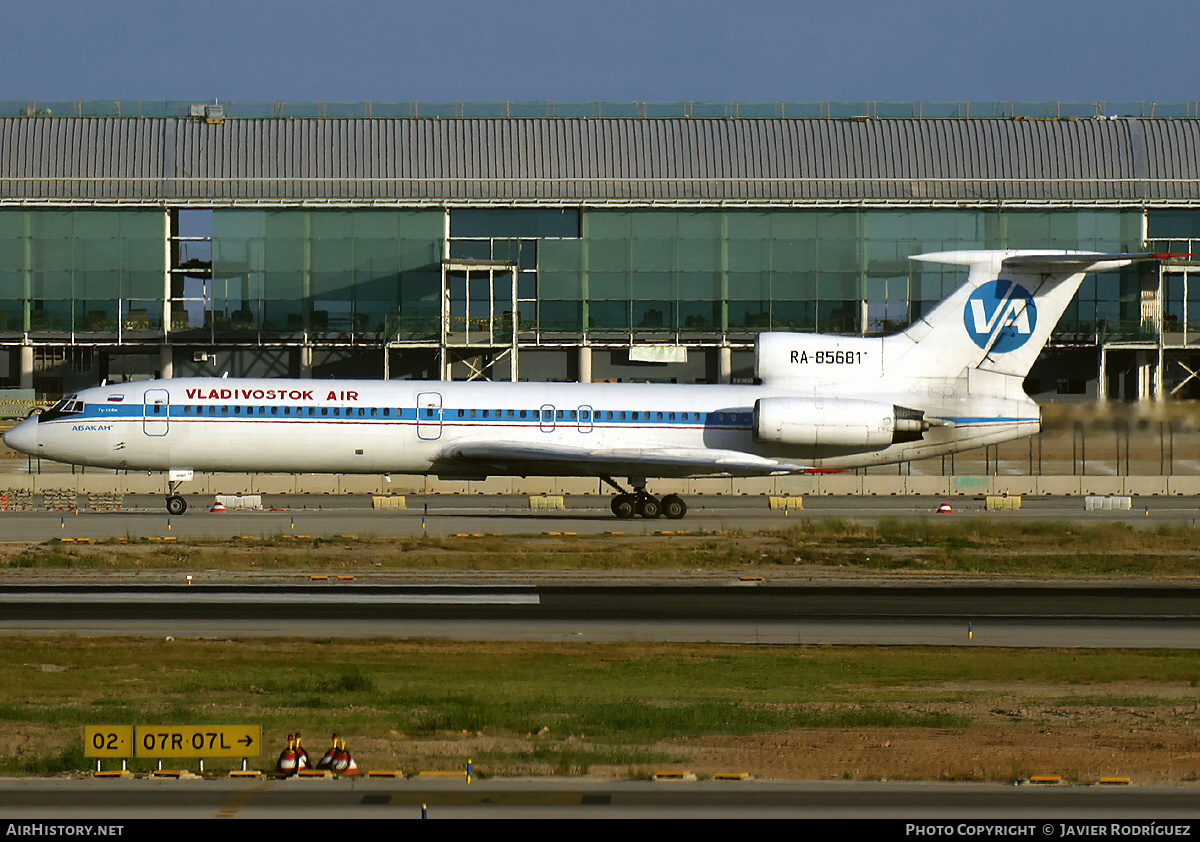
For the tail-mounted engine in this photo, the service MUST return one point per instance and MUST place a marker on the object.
(835, 422)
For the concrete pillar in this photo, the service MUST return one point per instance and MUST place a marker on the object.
(306, 361)
(724, 364)
(585, 364)
(166, 361)
(26, 366)
(1145, 376)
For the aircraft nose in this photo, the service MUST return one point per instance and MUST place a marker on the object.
(23, 438)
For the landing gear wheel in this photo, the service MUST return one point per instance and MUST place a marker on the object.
(622, 506)
(176, 505)
(648, 506)
(673, 507)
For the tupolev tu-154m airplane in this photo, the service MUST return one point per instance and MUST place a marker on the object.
(950, 381)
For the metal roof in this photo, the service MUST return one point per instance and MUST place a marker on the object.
(169, 161)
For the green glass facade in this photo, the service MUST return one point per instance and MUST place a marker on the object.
(322, 271)
(598, 271)
(837, 271)
(82, 271)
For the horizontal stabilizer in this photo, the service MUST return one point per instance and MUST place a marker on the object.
(1038, 261)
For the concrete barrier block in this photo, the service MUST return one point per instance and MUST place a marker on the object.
(931, 486)
(54, 482)
(273, 483)
(1102, 485)
(1059, 486)
(1146, 486)
(577, 485)
(102, 484)
(880, 486)
(755, 486)
(397, 502)
(316, 484)
(534, 485)
(1015, 485)
(359, 483)
(1189, 486)
(840, 484)
(712, 486)
(970, 485)
(225, 483)
(796, 485)
(433, 485)
(493, 485)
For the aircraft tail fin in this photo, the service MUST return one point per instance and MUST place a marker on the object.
(1002, 317)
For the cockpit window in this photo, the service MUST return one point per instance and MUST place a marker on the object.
(70, 405)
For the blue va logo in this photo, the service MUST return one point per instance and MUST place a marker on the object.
(1000, 314)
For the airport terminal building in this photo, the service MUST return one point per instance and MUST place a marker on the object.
(586, 241)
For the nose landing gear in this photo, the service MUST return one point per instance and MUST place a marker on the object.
(641, 503)
(176, 505)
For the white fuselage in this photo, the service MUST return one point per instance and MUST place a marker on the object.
(407, 427)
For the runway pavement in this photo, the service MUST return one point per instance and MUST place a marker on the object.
(995, 616)
(1030, 807)
(1001, 615)
(451, 514)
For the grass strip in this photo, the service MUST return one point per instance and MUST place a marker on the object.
(542, 706)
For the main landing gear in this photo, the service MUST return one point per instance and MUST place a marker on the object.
(641, 503)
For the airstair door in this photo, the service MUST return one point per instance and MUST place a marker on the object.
(156, 412)
(429, 416)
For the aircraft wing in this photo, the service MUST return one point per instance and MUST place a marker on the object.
(497, 458)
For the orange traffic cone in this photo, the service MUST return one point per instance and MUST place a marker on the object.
(326, 762)
(349, 767)
(287, 759)
(301, 755)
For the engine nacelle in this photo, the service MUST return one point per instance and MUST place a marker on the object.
(835, 422)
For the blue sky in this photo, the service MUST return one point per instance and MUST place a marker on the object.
(624, 50)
